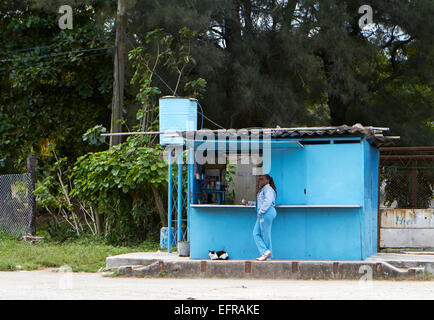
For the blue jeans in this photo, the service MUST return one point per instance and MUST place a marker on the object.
(262, 230)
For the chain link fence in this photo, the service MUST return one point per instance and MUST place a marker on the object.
(406, 180)
(16, 203)
(406, 218)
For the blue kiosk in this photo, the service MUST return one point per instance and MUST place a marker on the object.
(327, 189)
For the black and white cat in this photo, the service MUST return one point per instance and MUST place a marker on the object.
(219, 255)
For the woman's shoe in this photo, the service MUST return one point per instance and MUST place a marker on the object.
(265, 256)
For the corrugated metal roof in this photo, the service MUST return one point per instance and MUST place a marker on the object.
(374, 134)
(356, 129)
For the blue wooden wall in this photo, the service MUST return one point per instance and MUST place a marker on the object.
(370, 205)
(330, 173)
(297, 233)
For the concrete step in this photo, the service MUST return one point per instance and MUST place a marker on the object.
(170, 265)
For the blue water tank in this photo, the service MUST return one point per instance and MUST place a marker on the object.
(176, 114)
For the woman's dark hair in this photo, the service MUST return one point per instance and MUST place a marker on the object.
(271, 182)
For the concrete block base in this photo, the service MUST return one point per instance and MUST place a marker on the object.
(380, 266)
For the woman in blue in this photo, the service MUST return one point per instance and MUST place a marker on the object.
(265, 215)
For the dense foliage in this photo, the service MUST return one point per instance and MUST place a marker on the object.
(54, 84)
(118, 182)
(262, 63)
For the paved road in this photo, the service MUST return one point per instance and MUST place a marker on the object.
(46, 284)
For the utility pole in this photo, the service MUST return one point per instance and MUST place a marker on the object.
(119, 72)
(118, 86)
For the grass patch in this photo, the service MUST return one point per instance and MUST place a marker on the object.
(82, 255)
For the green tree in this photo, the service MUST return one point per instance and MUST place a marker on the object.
(306, 62)
(54, 84)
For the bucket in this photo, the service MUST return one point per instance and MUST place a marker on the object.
(183, 248)
(164, 232)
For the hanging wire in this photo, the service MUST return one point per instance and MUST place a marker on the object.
(201, 109)
(56, 55)
(203, 116)
(27, 49)
(68, 58)
(173, 92)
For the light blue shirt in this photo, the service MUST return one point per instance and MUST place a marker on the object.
(265, 199)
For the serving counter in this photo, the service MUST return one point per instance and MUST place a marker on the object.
(329, 232)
